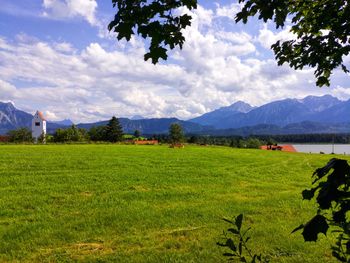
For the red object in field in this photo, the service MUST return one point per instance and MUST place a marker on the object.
(283, 148)
(144, 142)
(177, 145)
(4, 138)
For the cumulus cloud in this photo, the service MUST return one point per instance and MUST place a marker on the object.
(228, 11)
(268, 37)
(61, 9)
(7, 91)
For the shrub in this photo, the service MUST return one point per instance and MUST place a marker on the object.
(20, 135)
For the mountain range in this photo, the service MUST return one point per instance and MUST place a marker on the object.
(312, 114)
(325, 109)
(12, 118)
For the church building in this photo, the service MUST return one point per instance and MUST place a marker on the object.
(38, 126)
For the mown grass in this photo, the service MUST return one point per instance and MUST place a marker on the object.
(115, 203)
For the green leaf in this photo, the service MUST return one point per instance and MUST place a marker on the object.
(309, 194)
(298, 228)
(339, 216)
(230, 244)
(316, 225)
(338, 256)
(227, 220)
(322, 81)
(238, 221)
(233, 231)
(155, 54)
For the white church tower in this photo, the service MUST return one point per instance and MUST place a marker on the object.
(38, 125)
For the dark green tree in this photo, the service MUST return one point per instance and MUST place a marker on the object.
(193, 139)
(176, 134)
(137, 133)
(253, 143)
(72, 134)
(322, 29)
(97, 133)
(20, 135)
(114, 131)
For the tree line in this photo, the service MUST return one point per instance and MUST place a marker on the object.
(113, 132)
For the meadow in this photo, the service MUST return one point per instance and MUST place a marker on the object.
(125, 203)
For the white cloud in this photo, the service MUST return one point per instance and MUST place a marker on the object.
(216, 67)
(342, 92)
(268, 37)
(7, 91)
(228, 11)
(60, 9)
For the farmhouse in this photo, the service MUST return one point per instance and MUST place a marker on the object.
(38, 125)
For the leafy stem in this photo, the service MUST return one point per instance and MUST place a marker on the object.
(238, 244)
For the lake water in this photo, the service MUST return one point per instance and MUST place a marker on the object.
(326, 148)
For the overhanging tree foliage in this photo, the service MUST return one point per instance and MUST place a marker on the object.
(154, 20)
(321, 27)
(333, 198)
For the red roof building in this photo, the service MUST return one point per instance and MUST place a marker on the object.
(283, 148)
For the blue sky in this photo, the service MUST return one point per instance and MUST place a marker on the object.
(57, 56)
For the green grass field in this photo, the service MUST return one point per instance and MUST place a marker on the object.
(114, 203)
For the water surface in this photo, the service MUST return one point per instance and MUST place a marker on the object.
(326, 148)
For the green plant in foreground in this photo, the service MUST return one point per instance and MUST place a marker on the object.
(238, 244)
(333, 199)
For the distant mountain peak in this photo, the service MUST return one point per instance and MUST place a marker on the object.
(320, 97)
(65, 122)
(137, 117)
(239, 106)
(320, 103)
(7, 105)
(299, 112)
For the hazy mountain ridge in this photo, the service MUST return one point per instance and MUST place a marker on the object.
(65, 122)
(11, 118)
(283, 112)
(223, 114)
(151, 126)
(318, 104)
(312, 114)
(294, 128)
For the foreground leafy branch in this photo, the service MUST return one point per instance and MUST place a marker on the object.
(332, 195)
(156, 20)
(321, 30)
(238, 244)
